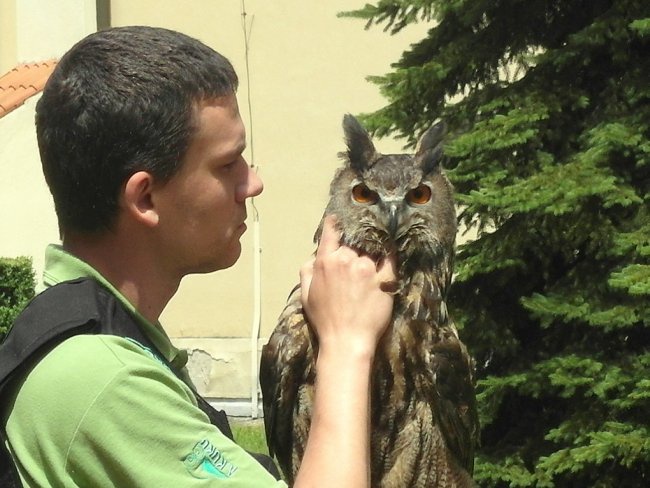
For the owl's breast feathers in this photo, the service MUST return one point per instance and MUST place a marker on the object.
(421, 365)
(287, 367)
(421, 359)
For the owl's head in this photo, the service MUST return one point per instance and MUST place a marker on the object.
(394, 202)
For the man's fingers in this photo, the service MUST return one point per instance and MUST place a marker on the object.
(330, 237)
(306, 274)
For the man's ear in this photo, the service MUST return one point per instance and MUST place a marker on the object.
(138, 199)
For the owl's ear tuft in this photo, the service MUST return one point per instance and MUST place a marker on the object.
(429, 148)
(361, 153)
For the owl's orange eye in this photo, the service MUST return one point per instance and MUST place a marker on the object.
(419, 195)
(362, 194)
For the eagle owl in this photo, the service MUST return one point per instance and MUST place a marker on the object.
(423, 413)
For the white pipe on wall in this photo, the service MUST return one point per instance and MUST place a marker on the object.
(257, 249)
(257, 311)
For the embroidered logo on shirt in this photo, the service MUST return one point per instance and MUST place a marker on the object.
(206, 461)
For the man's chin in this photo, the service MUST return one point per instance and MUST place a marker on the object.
(222, 262)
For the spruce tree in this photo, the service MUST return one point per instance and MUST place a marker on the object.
(547, 104)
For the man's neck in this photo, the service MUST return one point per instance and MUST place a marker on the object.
(129, 268)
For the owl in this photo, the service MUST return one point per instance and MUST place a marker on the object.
(423, 411)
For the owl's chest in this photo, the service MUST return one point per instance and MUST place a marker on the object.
(403, 363)
(403, 369)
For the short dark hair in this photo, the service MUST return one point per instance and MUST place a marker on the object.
(120, 101)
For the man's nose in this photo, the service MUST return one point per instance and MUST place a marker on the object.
(252, 187)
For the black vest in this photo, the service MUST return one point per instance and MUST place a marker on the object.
(75, 307)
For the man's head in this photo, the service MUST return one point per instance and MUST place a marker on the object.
(121, 101)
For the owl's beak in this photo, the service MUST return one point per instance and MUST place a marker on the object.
(393, 220)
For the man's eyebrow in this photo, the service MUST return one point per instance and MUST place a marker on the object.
(228, 155)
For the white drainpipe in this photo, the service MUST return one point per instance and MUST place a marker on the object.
(257, 311)
(257, 249)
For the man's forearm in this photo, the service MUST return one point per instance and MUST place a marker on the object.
(338, 449)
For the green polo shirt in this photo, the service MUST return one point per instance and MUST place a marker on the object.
(103, 411)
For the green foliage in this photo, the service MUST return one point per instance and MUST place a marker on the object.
(16, 288)
(547, 105)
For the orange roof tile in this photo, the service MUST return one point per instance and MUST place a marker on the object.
(22, 82)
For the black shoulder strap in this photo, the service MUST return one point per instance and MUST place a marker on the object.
(75, 307)
(48, 319)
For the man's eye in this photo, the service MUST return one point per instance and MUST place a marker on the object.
(231, 165)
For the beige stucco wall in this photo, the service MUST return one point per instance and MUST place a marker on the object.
(7, 35)
(307, 69)
(26, 210)
(33, 30)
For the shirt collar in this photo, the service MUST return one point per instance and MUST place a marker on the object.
(61, 266)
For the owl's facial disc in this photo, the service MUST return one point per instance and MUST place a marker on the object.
(396, 208)
(390, 207)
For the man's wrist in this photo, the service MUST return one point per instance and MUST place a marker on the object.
(342, 353)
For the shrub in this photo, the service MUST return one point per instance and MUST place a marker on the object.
(16, 289)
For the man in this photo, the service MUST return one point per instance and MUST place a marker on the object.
(141, 143)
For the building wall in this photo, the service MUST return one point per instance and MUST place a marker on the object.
(31, 30)
(26, 210)
(306, 69)
(34, 30)
(7, 35)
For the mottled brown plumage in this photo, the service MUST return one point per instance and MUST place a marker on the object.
(424, 423)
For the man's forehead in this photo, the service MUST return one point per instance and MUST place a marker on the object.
(221, 112)
(228, 100)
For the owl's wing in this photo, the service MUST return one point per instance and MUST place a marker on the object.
(455, 405)
(283, 366)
